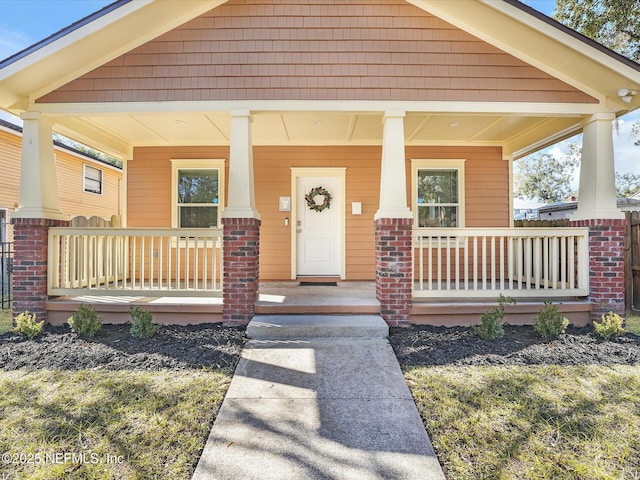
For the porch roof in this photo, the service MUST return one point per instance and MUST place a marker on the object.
(519, 127)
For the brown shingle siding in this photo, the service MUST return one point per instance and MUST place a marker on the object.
(325, 50)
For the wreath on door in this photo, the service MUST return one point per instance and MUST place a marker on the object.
(311, 202)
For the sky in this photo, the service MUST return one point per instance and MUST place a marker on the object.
(25, 22)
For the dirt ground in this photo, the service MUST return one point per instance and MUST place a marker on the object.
(212, 345)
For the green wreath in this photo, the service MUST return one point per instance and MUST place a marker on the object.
(310, 198)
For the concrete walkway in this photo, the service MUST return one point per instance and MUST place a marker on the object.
(309, 402)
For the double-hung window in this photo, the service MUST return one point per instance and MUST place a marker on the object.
(92, 181)
(438, 193)
(198, 193)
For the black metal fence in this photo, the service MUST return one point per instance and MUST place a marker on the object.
(6, 265)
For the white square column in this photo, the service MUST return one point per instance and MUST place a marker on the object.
(241, 198)
(597, 197)
(38, 182)
(393, 178)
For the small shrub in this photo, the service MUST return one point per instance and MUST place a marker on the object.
(85, 321)
(490, 327)
(27, 324)
(610, 325)
(142, 325)
(550, 323)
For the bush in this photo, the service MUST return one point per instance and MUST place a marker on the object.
(490, 327)
(27, 324)
(610, 325)
(142, 325)
(85, 321)
(550, 323)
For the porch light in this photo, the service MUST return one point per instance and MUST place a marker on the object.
(454, 124)
(626, 94)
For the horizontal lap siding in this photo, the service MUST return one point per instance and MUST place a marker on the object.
(326, 50)
(486, 182)
(273, 180)
(149, 187)
(149, 182)
(10, 154)
(74, 200)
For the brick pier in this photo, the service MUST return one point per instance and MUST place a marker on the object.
(394, 269)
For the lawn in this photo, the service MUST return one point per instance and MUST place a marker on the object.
(532, 422)
(106, 424)
(5, 321)
(632, 323)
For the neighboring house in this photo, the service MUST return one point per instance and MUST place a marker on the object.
(86, 186)
(560, 210)
(328, 139)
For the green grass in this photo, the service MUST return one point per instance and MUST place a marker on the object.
(5, 322)
(124, 424)
(534, 422)
(632, 323)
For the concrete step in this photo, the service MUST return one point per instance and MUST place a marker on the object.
(280, 327)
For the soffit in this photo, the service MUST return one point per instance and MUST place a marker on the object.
(118, 134)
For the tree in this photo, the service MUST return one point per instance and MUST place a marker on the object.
(547, 177)
(85, 150)
(613, 23)
(627, 184)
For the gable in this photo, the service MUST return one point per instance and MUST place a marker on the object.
(329, 50)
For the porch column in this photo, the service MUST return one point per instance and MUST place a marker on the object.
(38, 209)
(393, 226)
(597, 210)
(241, 224)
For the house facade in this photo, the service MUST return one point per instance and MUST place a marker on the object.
(283, 140)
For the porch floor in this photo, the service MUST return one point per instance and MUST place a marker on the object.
(289, 297)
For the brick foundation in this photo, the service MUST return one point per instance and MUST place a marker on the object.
(606, 265)
(394, 269)
(241, 252)
(30, 244)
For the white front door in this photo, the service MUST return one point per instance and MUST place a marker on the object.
(319, 234)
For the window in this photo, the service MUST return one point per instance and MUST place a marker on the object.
(438, 191)
(92, 180)
(197, 193)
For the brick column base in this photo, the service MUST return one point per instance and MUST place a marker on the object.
(606, 265)
(394, 269)
(30, 248)
(241, 255)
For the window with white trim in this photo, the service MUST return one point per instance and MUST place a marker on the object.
(92, 180)
(197, 192)
(438, 193)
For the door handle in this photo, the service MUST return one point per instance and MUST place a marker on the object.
(299, 230)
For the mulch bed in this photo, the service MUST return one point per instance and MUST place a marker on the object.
(175, 347)
(215, 346)
(426, 345)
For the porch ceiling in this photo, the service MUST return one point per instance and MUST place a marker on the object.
(119, 133)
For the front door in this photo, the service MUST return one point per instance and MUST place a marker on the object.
(319, 230)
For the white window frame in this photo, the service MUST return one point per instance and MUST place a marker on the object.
(196, 164)
(438, 164)
(84, 179)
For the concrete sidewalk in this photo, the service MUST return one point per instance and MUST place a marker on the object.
(318, 408)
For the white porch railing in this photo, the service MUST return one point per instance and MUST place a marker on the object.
(522, 262)
(139, 261)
